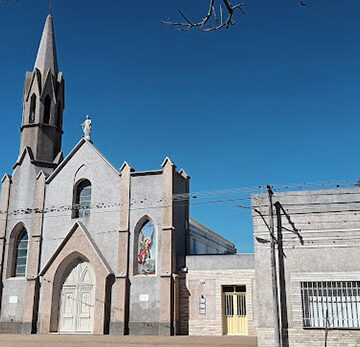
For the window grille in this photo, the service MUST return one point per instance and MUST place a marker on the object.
(229, 305)
(21, 254)
(340, 301)
(241, 305)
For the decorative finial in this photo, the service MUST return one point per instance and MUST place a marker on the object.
(86, 127)
(50, 7)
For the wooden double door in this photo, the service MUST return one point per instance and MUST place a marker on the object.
(77, 299)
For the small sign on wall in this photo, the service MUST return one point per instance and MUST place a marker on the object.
(13, 300)
(144, 297)
(202, 305)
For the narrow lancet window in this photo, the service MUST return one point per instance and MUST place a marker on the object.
(146, 249)
(21, 254)
(32, 109)
(47, 109)
(82, 199)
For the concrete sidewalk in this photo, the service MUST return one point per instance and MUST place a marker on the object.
(92, 340)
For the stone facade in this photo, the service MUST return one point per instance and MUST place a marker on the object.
(41, 199)
(72, 266)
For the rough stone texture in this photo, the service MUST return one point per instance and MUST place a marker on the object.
(183, 307)
(11, 327)
(145, 328)
(220, 262)
(22, 194)
(329, 226)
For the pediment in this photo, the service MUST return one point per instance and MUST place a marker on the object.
(26, 151)
(72, 245)
(72, 154)
(49, 87)
(35, 84)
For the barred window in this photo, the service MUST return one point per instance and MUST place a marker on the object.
(229, 305)
(21, 254)
(331, 304)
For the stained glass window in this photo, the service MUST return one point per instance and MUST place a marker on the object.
(146, 249)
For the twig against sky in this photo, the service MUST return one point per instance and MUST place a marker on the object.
(222, 19)
(213, 20)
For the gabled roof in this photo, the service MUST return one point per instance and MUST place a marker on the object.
(29, 151)
(6, 177)
(81, 143)
(88, 237)
(183, 173)
(209, 231)
(167, 160)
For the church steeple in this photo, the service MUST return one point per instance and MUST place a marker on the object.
(44, 102)
(46, 57)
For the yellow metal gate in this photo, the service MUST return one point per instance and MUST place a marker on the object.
(235, 321)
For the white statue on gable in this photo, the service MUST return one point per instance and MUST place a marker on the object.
(86, 127)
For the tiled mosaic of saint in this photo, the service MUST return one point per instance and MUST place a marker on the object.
(147, 249)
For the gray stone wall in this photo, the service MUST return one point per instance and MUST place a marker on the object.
(21, 197)
(146, 201)
(102, 224)
(320, 233)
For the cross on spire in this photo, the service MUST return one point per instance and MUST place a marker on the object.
(50, 7)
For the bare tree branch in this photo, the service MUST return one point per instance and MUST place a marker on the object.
(204, 24)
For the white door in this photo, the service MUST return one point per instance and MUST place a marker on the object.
(76, 314)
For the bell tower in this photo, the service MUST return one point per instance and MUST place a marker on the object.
(44, 102)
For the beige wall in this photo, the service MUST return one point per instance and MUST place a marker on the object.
(209, 284)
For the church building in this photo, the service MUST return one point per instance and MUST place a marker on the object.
(89, 248)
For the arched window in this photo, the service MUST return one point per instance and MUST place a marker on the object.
(58, 115)
(146, 249)
(47, 109)
(32, 109)
(21, 248)
(82, 199)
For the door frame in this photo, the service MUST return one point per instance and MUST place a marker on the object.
(240, 320)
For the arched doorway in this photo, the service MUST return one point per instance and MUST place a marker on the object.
(77, 300)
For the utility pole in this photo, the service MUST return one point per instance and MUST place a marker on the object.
(273, 271)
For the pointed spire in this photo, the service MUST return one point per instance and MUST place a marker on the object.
(46, 56)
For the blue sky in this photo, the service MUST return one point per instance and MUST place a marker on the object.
(274, 99)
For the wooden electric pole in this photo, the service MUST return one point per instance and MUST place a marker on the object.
(273, 271)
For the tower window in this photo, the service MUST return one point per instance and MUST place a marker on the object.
(82, 201)
(21, 254)
(47, 109)
(32, 109)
